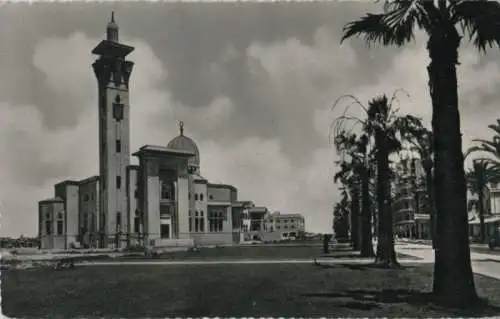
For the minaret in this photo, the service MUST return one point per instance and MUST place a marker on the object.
(113, 72)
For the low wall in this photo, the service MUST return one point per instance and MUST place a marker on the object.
(219, 238)
(185, 242)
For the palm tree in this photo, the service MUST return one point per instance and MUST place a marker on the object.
(341, 215)
(420, 140)
(387, 129)
(439, 19)
(350, 184)
(356, 149)
(491, 147)
(483, 172)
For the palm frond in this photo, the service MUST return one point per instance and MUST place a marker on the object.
(480, 19)
(495, 127)
(393, 27)
(486, 146)
(374, 29)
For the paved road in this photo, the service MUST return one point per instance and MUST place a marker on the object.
(482, 263)
(485, 250)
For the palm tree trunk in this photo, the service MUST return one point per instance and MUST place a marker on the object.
(366, 229)
(432, 205)
(354, 216)
(453, 277)
(386, 255)
(480, 205)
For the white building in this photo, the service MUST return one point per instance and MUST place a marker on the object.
(260, 224)
(162, 200)
(288, 225)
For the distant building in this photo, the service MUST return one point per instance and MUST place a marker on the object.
(290, 223)
(253, 218)
(162, 200)
(260, 224)
(410, 205)
(491, 212)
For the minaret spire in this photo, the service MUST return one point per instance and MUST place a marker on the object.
(112, 29)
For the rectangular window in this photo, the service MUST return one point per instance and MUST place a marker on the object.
(220, 221)
(118, 220)
(59, 227)
(48, 227)
(92, 222)
(85, 223)
(118, 182)
(167, 190)
(137, 228)
(118, 146)
(215, 221)
(103, 222)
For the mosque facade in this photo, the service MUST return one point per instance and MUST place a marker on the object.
(162, 200)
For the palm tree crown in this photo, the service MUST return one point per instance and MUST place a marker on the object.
(480, 19)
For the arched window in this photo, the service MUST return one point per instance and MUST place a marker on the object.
(201, 197)
(195, 196)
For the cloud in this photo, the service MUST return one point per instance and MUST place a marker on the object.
(40, 156)
(256, 102)
(70, 152)
(476, 78)
(265, 175)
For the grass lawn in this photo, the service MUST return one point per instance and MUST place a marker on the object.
(260, 252)
(230, 290)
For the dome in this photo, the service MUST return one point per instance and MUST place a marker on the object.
(112, 29)
(184, 143)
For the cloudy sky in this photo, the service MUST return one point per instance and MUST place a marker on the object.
(253, 83)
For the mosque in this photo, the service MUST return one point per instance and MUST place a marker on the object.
(162, 200)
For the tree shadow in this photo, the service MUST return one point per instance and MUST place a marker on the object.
(367, 299)
(361, 267)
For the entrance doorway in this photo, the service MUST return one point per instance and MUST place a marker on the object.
(165, 231)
